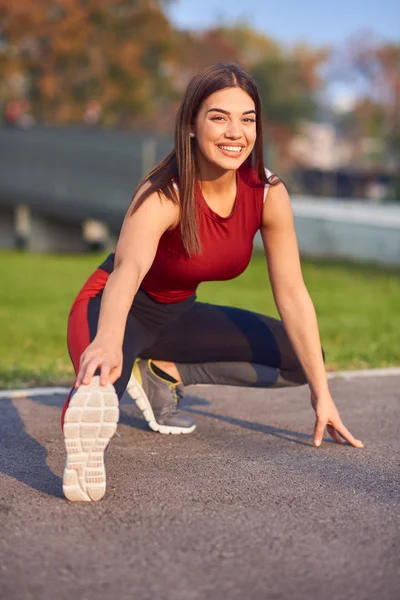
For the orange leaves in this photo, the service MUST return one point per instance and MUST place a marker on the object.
(49, 85)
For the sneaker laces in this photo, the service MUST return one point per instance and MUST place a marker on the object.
(177, 395)
(180, 393)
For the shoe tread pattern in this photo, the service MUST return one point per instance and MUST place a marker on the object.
(90, 422)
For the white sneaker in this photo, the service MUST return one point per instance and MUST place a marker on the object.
(89, 424)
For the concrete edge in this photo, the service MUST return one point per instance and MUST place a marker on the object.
(23, 393)
(387, 372)
(347, 375)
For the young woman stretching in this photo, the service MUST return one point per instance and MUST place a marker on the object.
(136, 323)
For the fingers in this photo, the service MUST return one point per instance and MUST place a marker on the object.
(104, 372)
(345, 433)
(90, 371)
(115, 374)
(79, 379)
(108, 374)
(86, 370)
(89, 365)
(334, 430)
(334, 434)
(319, 429)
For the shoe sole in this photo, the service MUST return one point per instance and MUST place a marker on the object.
(139, 396)
(89, 424)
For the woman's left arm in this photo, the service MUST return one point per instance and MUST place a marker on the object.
(297, 310)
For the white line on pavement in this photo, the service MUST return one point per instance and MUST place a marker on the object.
(29, 392)
(53, 391)
(388, 372)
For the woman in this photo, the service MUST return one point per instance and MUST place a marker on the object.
(192, 218)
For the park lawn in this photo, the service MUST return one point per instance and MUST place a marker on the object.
(357, 307)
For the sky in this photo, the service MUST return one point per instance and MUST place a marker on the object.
(289, 22)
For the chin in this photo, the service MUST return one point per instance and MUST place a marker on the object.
(228, 164)
(231, 164)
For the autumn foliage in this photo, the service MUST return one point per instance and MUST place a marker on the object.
(121, 63)
(60, 54)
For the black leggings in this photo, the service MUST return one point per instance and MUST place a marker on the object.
(209, 343)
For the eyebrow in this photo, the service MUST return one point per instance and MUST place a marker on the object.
(246, 112)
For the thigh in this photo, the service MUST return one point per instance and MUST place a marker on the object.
(82, 329)
(210, 332)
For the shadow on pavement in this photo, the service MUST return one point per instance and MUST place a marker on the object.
(22, 457)
(285, 434)
(137, 421)
(25, 459)
(292, 436)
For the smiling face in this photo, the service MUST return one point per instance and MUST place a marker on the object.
(225, 129)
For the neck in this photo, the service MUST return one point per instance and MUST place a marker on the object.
(214, 180)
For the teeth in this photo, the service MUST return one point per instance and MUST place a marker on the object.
(232, 148)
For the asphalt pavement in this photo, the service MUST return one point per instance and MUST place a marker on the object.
(244, 508)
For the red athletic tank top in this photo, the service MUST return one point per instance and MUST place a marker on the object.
(227, 244)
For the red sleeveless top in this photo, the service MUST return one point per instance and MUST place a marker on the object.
(227, 244)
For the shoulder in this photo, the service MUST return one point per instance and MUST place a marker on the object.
(277, 207)
(252, 179)
(250, 175)
(155, 204)
(148, 190)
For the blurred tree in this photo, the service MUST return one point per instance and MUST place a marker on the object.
(287, 80)
(69, 52)
(124, 58)
(121, 63)
(380, 66)
(376, 112)
(288, 84)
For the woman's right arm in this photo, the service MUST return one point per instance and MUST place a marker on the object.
(134, 255)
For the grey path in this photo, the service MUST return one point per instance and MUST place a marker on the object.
(244, 508)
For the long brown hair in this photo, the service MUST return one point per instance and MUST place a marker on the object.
(180, 165)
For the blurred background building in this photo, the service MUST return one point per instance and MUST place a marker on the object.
(89, 92)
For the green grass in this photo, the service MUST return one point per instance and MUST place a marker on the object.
(357, 307)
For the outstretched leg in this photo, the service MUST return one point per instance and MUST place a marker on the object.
(91, 413)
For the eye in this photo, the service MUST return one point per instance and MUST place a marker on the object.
(218, 118)
(249, 120)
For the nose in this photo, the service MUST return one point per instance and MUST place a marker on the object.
(233, 131)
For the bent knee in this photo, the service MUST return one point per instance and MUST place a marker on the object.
(291, 378)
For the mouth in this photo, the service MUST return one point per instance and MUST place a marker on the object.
(231, 149)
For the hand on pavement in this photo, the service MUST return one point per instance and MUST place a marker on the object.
(328, 416)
